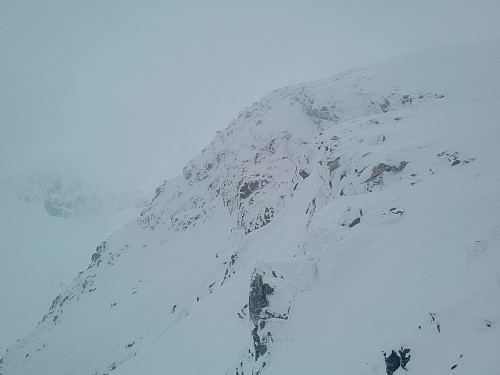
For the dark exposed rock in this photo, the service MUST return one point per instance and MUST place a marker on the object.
(98, 252)
(211, 287)
(333, 164)
(379, 169)
(382, 167)
(312, 207)
(303, 174)
(351, 217)
(401, 166)
(406, 99)
(268, 215)
(454, 158)
(247, 188)
(160, 189)
(284, 316)
(259, 347)
(355, 222)
(395, 211)
(405, 357)
(258, 297)
(392, 363)
(273, 146)
(385, 105)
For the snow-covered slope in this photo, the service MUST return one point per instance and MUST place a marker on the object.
(327, 224)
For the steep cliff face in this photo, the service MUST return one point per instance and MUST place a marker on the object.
(328, 223)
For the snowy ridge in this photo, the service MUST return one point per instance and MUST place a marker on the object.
(330, 222)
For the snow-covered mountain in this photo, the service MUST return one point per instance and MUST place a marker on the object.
(349, 225)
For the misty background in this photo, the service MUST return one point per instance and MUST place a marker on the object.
(125, 93)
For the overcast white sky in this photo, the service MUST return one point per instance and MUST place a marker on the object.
(128, 91)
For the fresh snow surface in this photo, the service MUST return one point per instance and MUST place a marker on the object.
(329, 223)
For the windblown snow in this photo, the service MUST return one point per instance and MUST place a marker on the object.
(345, 226)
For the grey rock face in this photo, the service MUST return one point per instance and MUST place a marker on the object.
(258, 297)
(248, 187)
(382, 167)
(333, 164)
(392, 363)
(395, 361)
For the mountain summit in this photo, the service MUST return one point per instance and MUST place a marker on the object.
(349, 225)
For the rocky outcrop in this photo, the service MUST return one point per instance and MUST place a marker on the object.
(99, 250)
(248, 187)
(257, 301)
(454, 158)
(394, 361)
(351, 217)
(259, 291)
(333, 164)
(382, 167)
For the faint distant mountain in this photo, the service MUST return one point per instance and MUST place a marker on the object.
(65, 197)
(49, 225)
